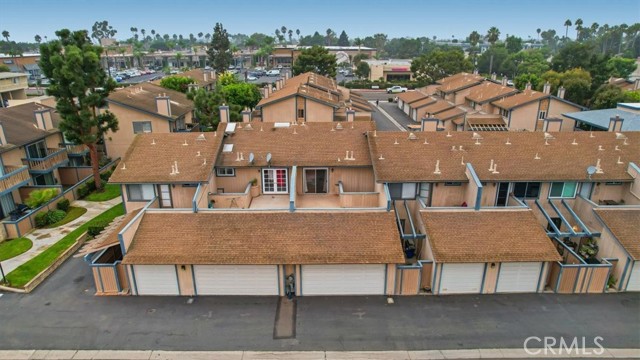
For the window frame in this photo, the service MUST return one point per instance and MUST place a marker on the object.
(562, 194)
(542, 114)
(275, 182)
(142, 199)
(526, 190)
(326, 180)
(134, 123)
(224, 174)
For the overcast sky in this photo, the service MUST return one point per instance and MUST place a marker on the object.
(407, 18)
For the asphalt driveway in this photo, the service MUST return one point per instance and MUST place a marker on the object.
(64, 314)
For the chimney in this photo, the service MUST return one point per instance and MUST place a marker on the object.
(615, 123)
(547, 88)
(636, 84)
(561, 92)
(213, 75)
(224, 113)
(351, 115)
(286, 76)
(494, 76)
(192, 87)
(475, 71)
(528, 86)
(504, 81)
(552, 125)
(265, 92)
(3, 138)
(163, 105)
(246, 115)
(43, 118)
(278, 84)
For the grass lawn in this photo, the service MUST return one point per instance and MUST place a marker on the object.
(111, 191)
(14, 247)
(72, 214)
(27, 271)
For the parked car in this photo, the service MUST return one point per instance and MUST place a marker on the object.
(396, 89)
(259, 72)
(348, 74)
(273, 72)
(251, 78)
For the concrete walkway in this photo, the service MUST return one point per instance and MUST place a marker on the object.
(44, 238)
(321, 355)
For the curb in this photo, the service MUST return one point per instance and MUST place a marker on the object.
(320, 355)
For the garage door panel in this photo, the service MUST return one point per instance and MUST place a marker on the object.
(156, 280)
(461, 278)
(236, 279)
(634, 279)
(343, 279)
(519, 277)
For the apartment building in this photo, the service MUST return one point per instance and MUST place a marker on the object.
(624, 117)
(338, 208)
(146, 108)
(311, 97)
(12, 87)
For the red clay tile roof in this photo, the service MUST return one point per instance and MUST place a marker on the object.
(468, 236)
(413, 160)
(151, 157)
(266, 238)
(624, 223)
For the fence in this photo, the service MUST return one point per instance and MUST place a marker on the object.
(21, 226)
(410, 279)
(575, 276)
(357, 199)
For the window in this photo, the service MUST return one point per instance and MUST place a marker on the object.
(453, 183)
(141, 127)
(613, 183)
(542, 115)
(504, 113)
(37, 150)
(225, 172)
(274, 181)
(316, 181)
(472, 104)
(140, 192)
(530, 190)
(563, 190)
(180, 125)
(44, 179)
(403, 191)
(300, 113)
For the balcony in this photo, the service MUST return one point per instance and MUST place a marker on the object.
(54, 159)
(15, 176)
(76, 150)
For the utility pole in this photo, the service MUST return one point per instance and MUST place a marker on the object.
(491, 65)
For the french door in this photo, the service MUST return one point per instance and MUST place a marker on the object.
(165, 196)
(274, 181)
(316, 181)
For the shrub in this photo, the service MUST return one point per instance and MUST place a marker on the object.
(41, 219)
(390, 99)
(83, 191)
(54, 216)
(63, 205)
(38, 198)
(96, 227)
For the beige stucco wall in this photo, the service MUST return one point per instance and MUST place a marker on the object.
(602, 191)
(317, 112)
(117, 143)
(489, 190)
(182, 197)
(445, 196)
(609, 247)
(557, 108)
(525, 117)
(280, 111)
(238, 183)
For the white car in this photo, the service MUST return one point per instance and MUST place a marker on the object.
(251, 78)
(273, 72)
(396, 89)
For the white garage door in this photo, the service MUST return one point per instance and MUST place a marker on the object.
(156, 279)
(519, 277)
(461, 278)
(236, 279)
(634, 279)
(343, 279)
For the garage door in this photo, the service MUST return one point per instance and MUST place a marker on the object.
(634, 280)
(519, 277)
(236, 279)
(156, 279)
(343, 279)
(461, 278)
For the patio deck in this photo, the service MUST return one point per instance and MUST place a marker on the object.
(315, 201)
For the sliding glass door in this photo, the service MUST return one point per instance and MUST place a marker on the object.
(316, 180)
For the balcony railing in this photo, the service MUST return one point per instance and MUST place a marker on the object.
(54, 158)
(14, 177)
(76, 150)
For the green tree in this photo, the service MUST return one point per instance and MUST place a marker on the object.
(219, 51)
(606, 97)
(177, 83)
(331, 35)
(554, 79)
(102, 30)
(567, 24)
(493, 34)
(513, 44)
(578, 25)
(242, 94)
(620, 67)
(4, 68)
(363, 70)
(81, 87)
(572, 55)
(577, 83)
(439, 64)
(5, 35)
(227, 78)
(359, 57)
(38, 39)
(316, 59)
(206, 107)
(491, 60)
(343, 40)
(474, 38)
(522, 80)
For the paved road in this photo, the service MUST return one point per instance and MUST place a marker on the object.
(63, 314)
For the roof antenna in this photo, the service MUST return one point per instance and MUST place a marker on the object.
(508, 142)
(396, 143)
(437, 171)
(176, 163)
(198, 154)
(537, 157)
(448, 134)
(462, 160)
(425, 141)
(124, 166)
(574, 142)
(380, 158)
(619, 162)
(591, 134)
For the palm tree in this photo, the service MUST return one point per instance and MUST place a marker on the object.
(493, 35)
(5, 34)
(200, 35)
(277, 33)
(358, 42)
(298, 34)
(38, 39)
(578, 25)
(290, 32)
(178, 58)
(283, 30)
(143, 31)
(538, 30)
(153, 32)
(329, 35)
(207, 37)
(133, 31)
(474, 38)
(567, 24)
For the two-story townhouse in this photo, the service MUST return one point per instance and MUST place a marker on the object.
(145, 108)
(311, 97)
(537, 111)
(480, 97)
(455, 88)
(405, 99)
(12, 87)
